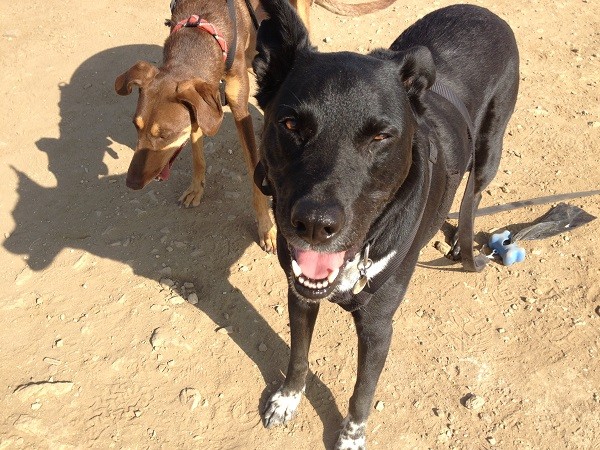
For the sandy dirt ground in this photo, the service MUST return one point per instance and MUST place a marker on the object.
(102, 346)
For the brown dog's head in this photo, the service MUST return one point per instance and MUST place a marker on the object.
(167, 111)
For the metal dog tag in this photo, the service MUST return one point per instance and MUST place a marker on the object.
(360, 284)
(362, 267)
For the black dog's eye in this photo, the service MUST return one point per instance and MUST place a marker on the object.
(381, 137)
(290, 124)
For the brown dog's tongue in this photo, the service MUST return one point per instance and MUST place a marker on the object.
(318, 266)
(165, 173)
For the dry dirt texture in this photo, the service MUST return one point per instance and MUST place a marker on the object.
(82, 303)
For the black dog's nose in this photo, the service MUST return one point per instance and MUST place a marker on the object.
(317, 223)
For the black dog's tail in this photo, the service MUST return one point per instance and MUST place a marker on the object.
(279, 40)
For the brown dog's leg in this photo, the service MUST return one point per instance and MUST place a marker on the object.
(237, 91)
(193, 194)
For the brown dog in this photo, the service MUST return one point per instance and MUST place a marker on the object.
(183, 97)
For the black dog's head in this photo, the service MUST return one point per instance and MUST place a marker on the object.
(337, 143)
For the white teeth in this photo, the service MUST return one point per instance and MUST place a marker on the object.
(296, 268)
(313, 284)
(333, 275)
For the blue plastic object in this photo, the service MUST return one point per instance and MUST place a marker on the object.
(500, 243)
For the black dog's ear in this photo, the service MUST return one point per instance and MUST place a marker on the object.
(279, 41)
(417, 73)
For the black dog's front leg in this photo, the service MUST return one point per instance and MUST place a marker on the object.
(283, 404)
(374, 337)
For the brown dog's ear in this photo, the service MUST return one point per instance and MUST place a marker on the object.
(140, 74)
(204, 103)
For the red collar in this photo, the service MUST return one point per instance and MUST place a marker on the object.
(196, 22)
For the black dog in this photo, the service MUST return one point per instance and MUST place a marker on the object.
(363, 155)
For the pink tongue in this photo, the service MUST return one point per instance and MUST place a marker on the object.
(318, 266)
(166, 172)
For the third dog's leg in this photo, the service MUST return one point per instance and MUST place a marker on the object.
(282, 405)
(374, 337)
(237, 90)
(303, 8)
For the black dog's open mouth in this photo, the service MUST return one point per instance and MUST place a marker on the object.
(165, 173)
(316, 274)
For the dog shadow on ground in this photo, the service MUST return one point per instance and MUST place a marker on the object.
(94, 211)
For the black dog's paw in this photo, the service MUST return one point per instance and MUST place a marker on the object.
(281, 408)
(352, 436)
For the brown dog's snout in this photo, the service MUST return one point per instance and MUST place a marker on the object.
(317, 223)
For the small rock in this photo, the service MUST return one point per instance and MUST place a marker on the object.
(442, 247)
(491, 440)
(327, 40)
(379, 405)
(501, 330)
(31, 425)
(11, 34)
(167, 282)
(137, 413)
(193, 298)
(157, 339)
(474, 402)
(177, 300)
(280, 309)
(598, 310)
(262, 347)
(58, 343)
(188, 285)
(539, 111)
(36, 405)
(51, 361)
(37, 389)
(225, 330)
(166, 271)
(594, 124)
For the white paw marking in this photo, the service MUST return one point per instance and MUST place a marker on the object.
(352, 436)
(281, 408)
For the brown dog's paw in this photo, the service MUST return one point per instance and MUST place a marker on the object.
(268, 239)
(192, 195)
